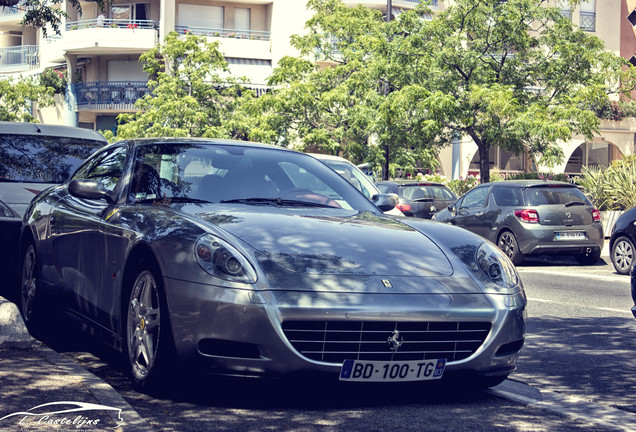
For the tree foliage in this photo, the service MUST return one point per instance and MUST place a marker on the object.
(333, 98)
(17, 98)
(192, 93)
(514, 74)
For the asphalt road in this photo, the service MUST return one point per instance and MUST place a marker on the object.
(576, 372)
(581, 335)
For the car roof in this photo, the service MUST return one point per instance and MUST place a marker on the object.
(411, 183)
(190, 140)
(530, 183)
(23, 128)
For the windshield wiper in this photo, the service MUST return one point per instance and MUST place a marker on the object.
(575, 203)
(275, 201)
(174, 199)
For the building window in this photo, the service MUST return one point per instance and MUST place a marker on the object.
(588, 15)
(241, 19)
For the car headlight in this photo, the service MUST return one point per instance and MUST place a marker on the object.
(496, 266)
(220, 259)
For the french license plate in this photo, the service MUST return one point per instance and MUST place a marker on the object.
(374, 371)
(570, 235)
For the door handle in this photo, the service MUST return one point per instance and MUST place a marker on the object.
(479, 214)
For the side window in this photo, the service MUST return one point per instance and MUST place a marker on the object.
(506, 196)
(476, 198)
(106, 167)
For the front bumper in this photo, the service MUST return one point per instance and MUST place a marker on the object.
(240, 332)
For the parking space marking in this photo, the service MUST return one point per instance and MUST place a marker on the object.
(608, 278)
(622, 311)
(566, 405)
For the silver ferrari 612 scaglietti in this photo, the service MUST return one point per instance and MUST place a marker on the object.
(248, 259)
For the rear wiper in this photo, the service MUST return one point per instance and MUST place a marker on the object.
(575, 203)
(275, 201)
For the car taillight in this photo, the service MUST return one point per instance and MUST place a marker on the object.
(404, 207)
(527, 215)
(596, 215)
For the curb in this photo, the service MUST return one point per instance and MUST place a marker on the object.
(101, 391)
(13, 331)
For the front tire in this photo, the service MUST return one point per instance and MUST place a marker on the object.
(507, 242)
(623, 255)
(147, 332)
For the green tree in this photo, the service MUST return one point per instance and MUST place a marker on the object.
(514, 74)
(334, 96)
(192, 93)
(18, 96)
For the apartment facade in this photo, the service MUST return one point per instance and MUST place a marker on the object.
(100, 51)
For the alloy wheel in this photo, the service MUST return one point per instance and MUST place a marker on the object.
(507, 244)
(29, 284)
(623, 256)
(143, 325)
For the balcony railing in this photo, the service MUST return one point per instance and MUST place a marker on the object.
(111, 23)
(18, 9)
(223, 33)
(588, 21)
(109, 94)
(16, 58)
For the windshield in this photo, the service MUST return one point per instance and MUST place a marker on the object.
(42, 159)
(353, 175)
(219, 173)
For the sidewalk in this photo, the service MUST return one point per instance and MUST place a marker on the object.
(32, 375)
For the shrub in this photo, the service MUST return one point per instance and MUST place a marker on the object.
(54, 79)
(611, 188)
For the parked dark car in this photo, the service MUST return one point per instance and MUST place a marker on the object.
(247, 259)
(33, 157)
(531, 217)
(622, 241)
(420, 199)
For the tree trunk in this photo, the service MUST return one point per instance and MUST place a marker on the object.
(484, 162)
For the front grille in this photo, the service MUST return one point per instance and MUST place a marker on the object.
(335, 341)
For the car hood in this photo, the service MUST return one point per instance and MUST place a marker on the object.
(362, 244)
(18, 195)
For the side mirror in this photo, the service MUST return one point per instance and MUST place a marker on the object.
(89, 189)
(385, 202)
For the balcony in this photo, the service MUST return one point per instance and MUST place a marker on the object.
(112, 24)
(19, 58)
(241, 43)
(12, 14)
(105, 36)
(109, 95)
(224, 33)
